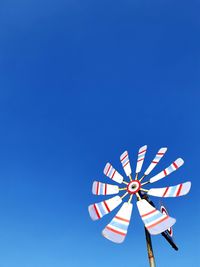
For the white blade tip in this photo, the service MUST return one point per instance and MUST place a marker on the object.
(163, 150)
(169, 222)
(106, 168)
(143, 148)
(179, 162)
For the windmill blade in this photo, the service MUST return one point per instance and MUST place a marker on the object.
(155, 221)
(171, 191)
(161, 152)
(98, 210)
(117, 229)
(124, 158)
(140, 160)
(173, 167)
(99, 188)
(110, 172)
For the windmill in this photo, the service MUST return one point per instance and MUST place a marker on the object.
(155, 221)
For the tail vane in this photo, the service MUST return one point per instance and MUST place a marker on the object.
(161, 152)
(124, 158)
(117, 229)
(110, 172)
(171, 191)
(98, 210)
(99, 188)
(173, 167)
(155, 221)
(140, 160)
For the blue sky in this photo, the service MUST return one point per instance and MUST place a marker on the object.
(80, 82)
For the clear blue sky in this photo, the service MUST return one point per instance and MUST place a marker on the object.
(80, 82)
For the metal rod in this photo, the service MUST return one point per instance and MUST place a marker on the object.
(130, 198)
(138, 196)
(130, 177)
(142, 178)
(144, 190)
(145, 183)
(136, 176)
(148, 239)
(149, 249)
(125, 182)
(122, 189)
(124, 195)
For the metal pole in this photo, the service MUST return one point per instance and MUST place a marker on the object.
(149, 249)
(152, 262)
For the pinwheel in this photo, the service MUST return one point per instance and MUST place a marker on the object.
(155, 221)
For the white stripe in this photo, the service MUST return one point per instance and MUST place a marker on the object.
(117, 229)
(155, 221)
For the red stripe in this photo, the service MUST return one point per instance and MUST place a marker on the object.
(126, 164)
(108, 169)
(170, 231)
(122, 219)
(124, 157)
(142, 152)
(179, 190)
(97, 213)
(165, 191)
(113, 174)
(148, 213)
(175, 165)
(105, 189)
(155, 162)
(165, 173)
(160, 153)
(104, 202)
(154, 224)
(97, 188)
(140, 159)
(115, 231)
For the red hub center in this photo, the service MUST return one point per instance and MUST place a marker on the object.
(133, 187)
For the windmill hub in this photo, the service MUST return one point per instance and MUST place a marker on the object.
(133, 187)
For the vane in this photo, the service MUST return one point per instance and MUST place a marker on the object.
(155, 221)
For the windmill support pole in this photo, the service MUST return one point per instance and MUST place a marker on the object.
(152, 262)
(149, 249)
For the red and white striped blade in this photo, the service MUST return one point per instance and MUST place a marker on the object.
(99, 188)
(98, 210)
(140, 160)
(171, 191)
(173, 167)
(161, 152)
(124, 158)
(155, 221)
(110, 172)
(116, 230)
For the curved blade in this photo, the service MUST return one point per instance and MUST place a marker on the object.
(171, 191)
(98, 210)
(141, 156)
(124, 158)
(99, 188)
(155, 221)
(110, 172)
(117, 229)
(161, 152)
(173, 167)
